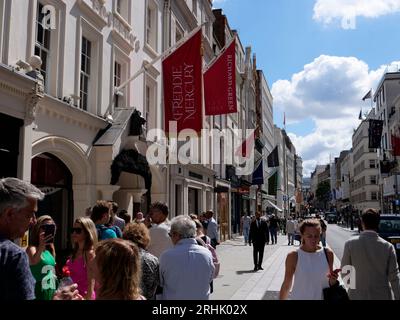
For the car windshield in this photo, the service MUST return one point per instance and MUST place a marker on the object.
(387, 225)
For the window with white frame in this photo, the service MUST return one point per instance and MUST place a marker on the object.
(117, 83)
(42, 44)
(373, 179)
(150, 103)
(151, 24)
(374, 195)
(86, 55)
(120, 75)
(372, 164)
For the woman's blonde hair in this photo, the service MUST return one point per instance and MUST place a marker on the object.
(119, 267)
(89, 228)
(35, 231)
(138, 233)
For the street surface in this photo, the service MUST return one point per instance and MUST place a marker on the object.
(238, 281)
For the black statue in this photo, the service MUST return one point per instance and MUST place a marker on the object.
(133, 162)
(137, 122)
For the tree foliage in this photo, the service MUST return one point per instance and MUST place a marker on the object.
(323, 192)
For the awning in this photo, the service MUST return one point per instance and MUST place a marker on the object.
(221, 189)
(273, 205)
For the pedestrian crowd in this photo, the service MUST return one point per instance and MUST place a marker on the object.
(115, 257)
(112, 257)
(309, 272)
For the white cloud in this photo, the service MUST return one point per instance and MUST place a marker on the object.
(218, 2)
(329, 91)
(327, 11)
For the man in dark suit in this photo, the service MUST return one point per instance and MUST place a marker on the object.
(258, 236)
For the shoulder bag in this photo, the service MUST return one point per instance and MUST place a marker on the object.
(337, 292)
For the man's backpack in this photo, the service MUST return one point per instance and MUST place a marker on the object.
(117, 231)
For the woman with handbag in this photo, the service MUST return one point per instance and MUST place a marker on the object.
(310, 266)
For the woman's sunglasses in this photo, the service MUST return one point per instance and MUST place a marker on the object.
(76, 230)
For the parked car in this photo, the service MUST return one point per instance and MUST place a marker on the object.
(331, 217)
(389, 229)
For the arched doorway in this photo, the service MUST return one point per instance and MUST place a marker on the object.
(53, 177)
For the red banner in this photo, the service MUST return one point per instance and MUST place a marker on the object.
(220, 84)
(182, 76)
(396, 146)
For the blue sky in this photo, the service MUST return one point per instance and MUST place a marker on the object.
(318, 66)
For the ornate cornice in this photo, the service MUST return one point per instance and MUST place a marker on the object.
(13, 90)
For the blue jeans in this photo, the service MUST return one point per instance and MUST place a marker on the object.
(290, 238)
(274, 235)
(246, 232)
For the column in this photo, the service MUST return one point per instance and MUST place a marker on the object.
(106, 191)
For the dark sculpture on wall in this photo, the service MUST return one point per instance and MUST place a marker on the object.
(132, 161)
(137, 122)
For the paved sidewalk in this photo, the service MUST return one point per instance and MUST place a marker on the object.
(238, 281)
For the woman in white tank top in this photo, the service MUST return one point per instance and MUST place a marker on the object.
(309, 266)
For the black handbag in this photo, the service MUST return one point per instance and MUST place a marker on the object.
(335, 293)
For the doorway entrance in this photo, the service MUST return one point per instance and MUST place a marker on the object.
(53, 178)
(9, 145)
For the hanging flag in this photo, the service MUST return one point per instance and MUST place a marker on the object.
(258, 175)
(245, 149)
(273, 184)
(375, 133)
(220, 84)
(395, 146)
(368, 95)
(182, 77)
(360, 115)
(273, 158)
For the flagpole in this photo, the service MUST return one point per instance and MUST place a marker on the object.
(155, 60)
(219, 55)
(161, 56)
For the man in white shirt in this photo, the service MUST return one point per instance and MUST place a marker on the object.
(212, 229)
(187, 269)
(159, 238)
(290, 230)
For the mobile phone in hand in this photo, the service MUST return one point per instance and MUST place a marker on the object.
(49, 229)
